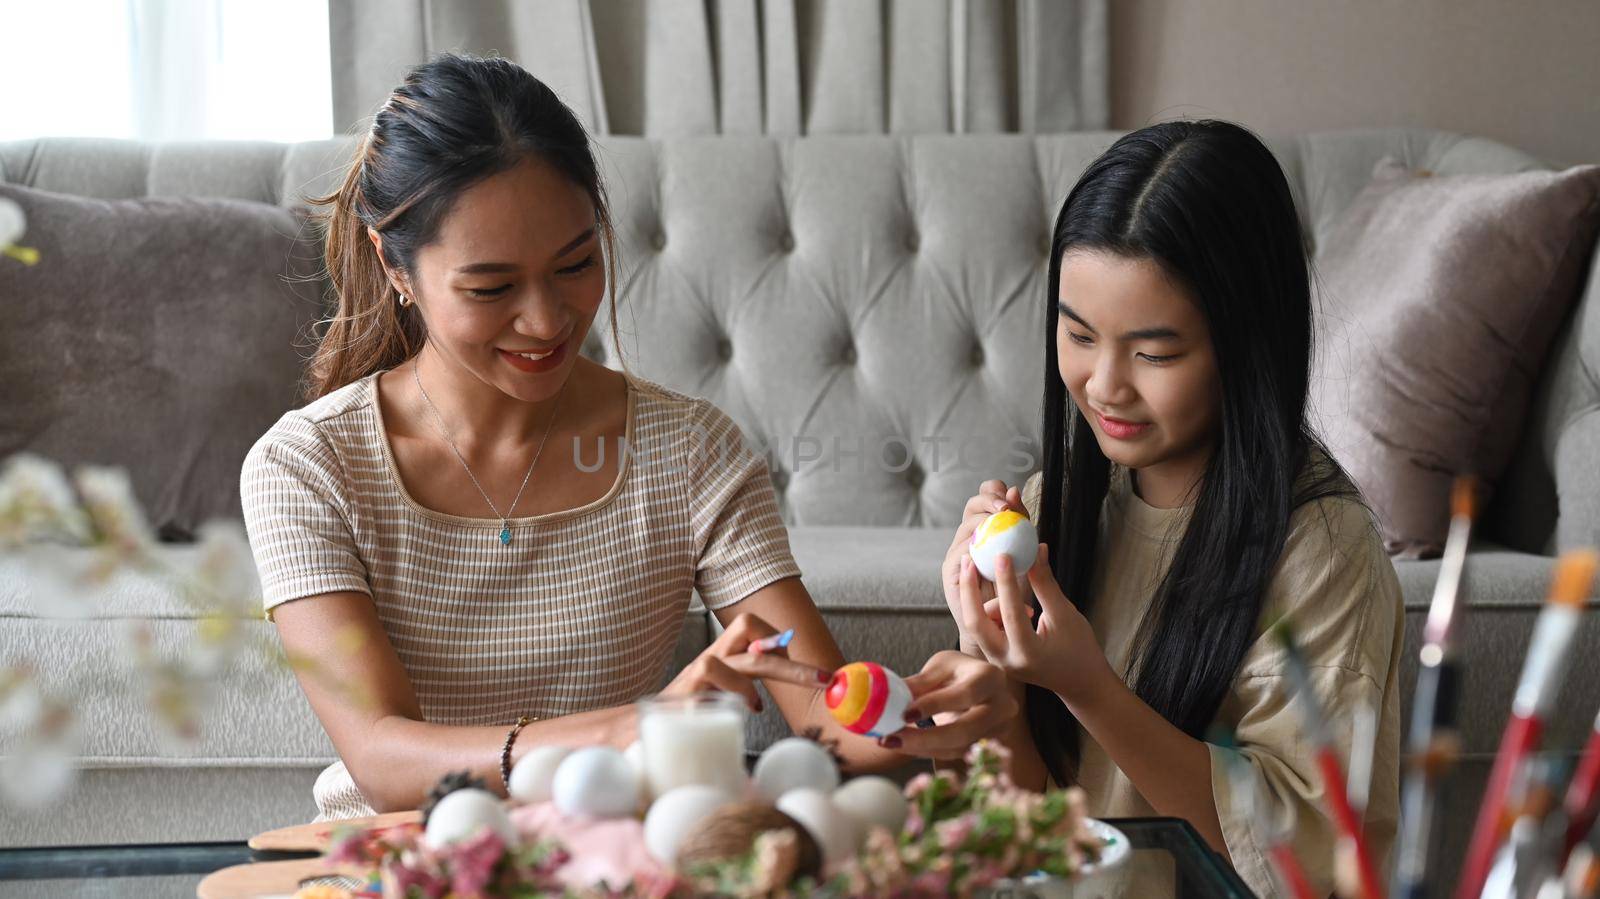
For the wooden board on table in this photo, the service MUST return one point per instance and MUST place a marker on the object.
(257, 879)
(314, 837)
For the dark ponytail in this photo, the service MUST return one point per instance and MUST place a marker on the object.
(450, 124)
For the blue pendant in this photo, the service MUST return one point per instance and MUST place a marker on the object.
(505, 535)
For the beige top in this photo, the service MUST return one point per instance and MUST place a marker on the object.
(581, 611)
(1338, 590)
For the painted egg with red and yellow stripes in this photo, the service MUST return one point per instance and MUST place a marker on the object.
(869, 699)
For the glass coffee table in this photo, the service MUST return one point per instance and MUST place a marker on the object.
(1168, 859)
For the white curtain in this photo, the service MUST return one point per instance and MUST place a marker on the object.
(675, 67)
(215, 69)
(162, 70)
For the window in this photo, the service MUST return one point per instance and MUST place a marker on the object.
(165, 69)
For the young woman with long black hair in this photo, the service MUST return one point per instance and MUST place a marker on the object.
(425, 530)
(1185, 505)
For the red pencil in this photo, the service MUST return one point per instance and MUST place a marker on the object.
(1344, 814)
(1583, 795)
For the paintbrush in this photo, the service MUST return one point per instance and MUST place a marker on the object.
(1345, 817)
(1583, 794)
(1543, 670)
(1434, 741)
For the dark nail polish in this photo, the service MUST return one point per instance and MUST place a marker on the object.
(824, 677)
(890, 742)
(760, 706)
(913, 714)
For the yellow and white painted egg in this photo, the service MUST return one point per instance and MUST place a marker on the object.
(1005, 532)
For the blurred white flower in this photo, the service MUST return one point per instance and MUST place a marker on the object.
(226, 569)
(40, 765)
(12, 222)
(37, 503)
(57, 581)
(68, 545)
(108, 495)
(176, 692)
(21, 704)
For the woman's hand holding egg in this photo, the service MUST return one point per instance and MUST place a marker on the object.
(969, 700)
(1061, 654)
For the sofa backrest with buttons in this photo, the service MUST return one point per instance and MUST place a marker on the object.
(870, 310)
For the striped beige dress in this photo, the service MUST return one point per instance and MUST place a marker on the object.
(581, 611)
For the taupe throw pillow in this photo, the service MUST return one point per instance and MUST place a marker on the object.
(155, 334)
(1438, 297)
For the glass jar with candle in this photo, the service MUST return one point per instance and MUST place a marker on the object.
(696, 739)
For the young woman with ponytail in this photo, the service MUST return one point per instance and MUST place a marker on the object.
(459, 587)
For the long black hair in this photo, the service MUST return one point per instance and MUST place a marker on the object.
(1208, 203)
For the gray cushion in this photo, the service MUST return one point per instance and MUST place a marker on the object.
(161, 335)
(1437, 300)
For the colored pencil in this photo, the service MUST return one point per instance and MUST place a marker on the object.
(1334, 788)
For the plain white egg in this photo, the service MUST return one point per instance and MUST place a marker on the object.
(792, 763)
(533, 775)
(12, 222)
(675, 814)
(873, 802)
(1004, 532)
(596, 782)
(635, 756)
(463, 813)
(836, 832)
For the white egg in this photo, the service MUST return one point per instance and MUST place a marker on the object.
(675, 814)
(1004, 532)
(12, 222)
(836, 832)
(535, 772)
(596, 782)
(635, 756)
(792, 763)
(873, 802)
(463, 813)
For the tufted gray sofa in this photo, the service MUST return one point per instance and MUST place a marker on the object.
(869, 309)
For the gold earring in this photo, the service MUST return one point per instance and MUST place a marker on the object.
(404, 300)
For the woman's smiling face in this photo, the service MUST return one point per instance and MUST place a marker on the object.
(1135, 353)
(514, 273)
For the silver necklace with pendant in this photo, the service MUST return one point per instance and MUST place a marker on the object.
(505, 520)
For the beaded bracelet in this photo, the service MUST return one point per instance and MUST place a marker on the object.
(505, 751)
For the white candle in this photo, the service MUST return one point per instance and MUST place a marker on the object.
(693, 740)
